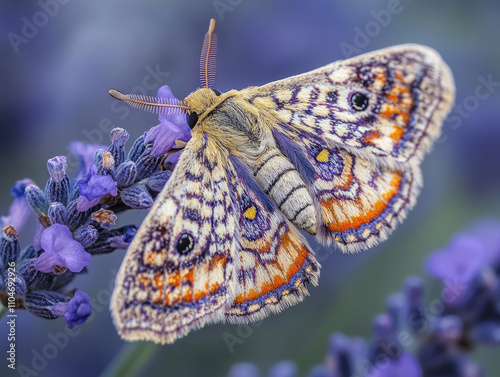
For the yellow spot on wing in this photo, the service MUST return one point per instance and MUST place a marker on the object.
(323, 156)
(250, 213)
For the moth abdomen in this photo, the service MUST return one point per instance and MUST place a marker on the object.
(283, 184)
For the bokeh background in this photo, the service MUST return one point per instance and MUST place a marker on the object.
(54, 87)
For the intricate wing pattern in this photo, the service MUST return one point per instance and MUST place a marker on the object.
(357, 203)
(334, 151)
(360, 203)
(386, 106)
(273, 262)
(178, 273)
(362, 126)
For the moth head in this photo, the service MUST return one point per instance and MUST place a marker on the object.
(198, 102)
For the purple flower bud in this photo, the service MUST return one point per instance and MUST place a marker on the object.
(76, 311)
(85, 154)
(118, 138)
(40, 303)
(137, 149)
(75, 217)
(109, 240)
(383, 327)
(16, 285)
(158, 180)
(244, 370)
(126, 173)
(147, 164)
(344, 353)
(136, 197)
(284, 369)
(36, 199)
(19, 210)
(9, 245)
(35, 280)
(57, 168)
(397, 309)
(448, 329)
(93, 188)
(86, 235)
(383, 345)
(57, 213)
(172, 127)
(60, 249)
(414, 293)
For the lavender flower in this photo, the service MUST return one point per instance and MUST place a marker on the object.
(93, 188)
(76, 311)
(171, 128)
(60, 249)
(76, 219)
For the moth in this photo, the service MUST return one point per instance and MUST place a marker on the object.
(334, 152)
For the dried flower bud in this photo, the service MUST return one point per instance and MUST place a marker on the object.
(108, 160)
(36, 199)
(9, 245)
(104, 218)
(137, 149)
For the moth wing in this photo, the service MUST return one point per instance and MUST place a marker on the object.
(408, 89)
(273, 263)
(164, 290)
(332, 193)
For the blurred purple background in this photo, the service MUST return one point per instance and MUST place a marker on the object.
(55, 79)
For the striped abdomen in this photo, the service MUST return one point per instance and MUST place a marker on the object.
(282, 183)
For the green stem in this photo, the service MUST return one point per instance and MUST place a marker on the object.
(130, 360)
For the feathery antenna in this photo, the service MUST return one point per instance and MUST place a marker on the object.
(208, 53)
(157, 105)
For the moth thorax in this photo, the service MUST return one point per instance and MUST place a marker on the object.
(201, 100)
(282, 182)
